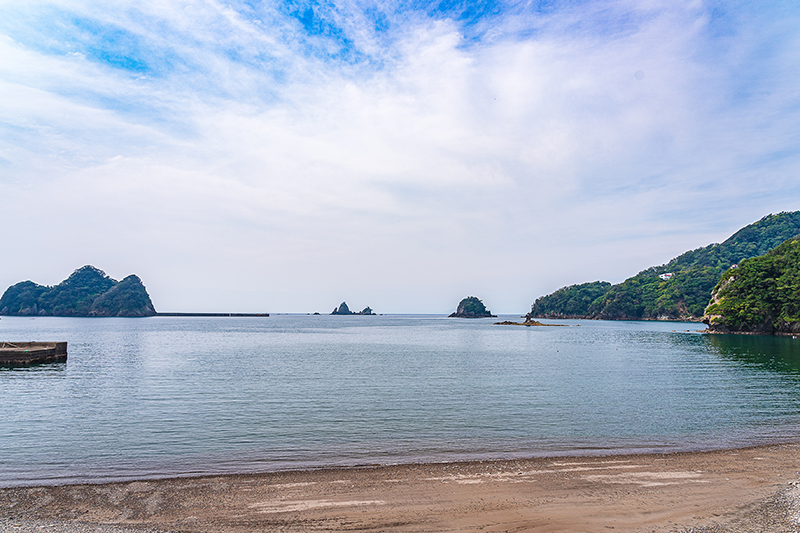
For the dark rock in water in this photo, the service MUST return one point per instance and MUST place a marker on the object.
(86, 292)
(344, 310)
(471, 307)
(529, 321)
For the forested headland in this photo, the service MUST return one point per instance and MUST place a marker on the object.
(680, 289)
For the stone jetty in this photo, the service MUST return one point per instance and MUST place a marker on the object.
(32, 353)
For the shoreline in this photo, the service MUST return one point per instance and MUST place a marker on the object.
(726, 490)
(304, 467)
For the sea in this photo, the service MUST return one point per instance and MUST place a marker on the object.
(143, 398)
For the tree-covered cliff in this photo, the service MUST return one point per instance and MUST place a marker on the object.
(86, 292)
(680, 289)
(760, 295)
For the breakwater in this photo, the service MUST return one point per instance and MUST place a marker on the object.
(212, 314)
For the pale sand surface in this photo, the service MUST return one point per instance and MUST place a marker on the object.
(749, 490)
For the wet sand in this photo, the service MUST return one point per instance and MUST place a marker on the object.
(750, 490)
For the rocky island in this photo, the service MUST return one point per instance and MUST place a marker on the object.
(86, 292)
(760, 295)
(344, 310)
(472, 307)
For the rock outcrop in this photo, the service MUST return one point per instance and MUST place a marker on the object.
(344, 310)
(529, 321)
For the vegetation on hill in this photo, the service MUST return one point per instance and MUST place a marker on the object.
(128, 297)
(680, 289)
(471, 307)
(86, 292)
(570, 302)
(761, 295)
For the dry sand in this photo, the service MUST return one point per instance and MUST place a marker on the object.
(749, 490)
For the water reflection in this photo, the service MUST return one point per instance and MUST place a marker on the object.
(775, 353)
(48, 368)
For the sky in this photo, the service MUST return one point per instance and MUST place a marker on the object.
(287, 156)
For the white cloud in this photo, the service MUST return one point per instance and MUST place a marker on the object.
(442, 166)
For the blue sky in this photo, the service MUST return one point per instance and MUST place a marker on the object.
(283, 157)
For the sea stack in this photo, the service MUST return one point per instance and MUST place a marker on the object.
(472, 307)
(344, 310)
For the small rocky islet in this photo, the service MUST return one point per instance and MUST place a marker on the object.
(472, 307)
(344, 310)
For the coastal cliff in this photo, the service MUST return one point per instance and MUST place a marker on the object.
(759, 296)
(86, 292)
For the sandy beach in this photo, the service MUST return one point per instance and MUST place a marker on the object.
(749, 489)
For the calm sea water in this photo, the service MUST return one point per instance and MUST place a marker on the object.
(168, 396)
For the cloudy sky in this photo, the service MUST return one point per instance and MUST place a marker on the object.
(284, 156)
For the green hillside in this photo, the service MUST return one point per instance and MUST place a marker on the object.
(761, 295)
(86, 292)
(680, 289)
(570, 302)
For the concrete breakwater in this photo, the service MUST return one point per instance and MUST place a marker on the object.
(212, 314)
(32, 353)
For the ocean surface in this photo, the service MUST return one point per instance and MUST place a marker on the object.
(168, 396)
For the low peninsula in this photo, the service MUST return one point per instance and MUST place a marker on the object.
(86, 292)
